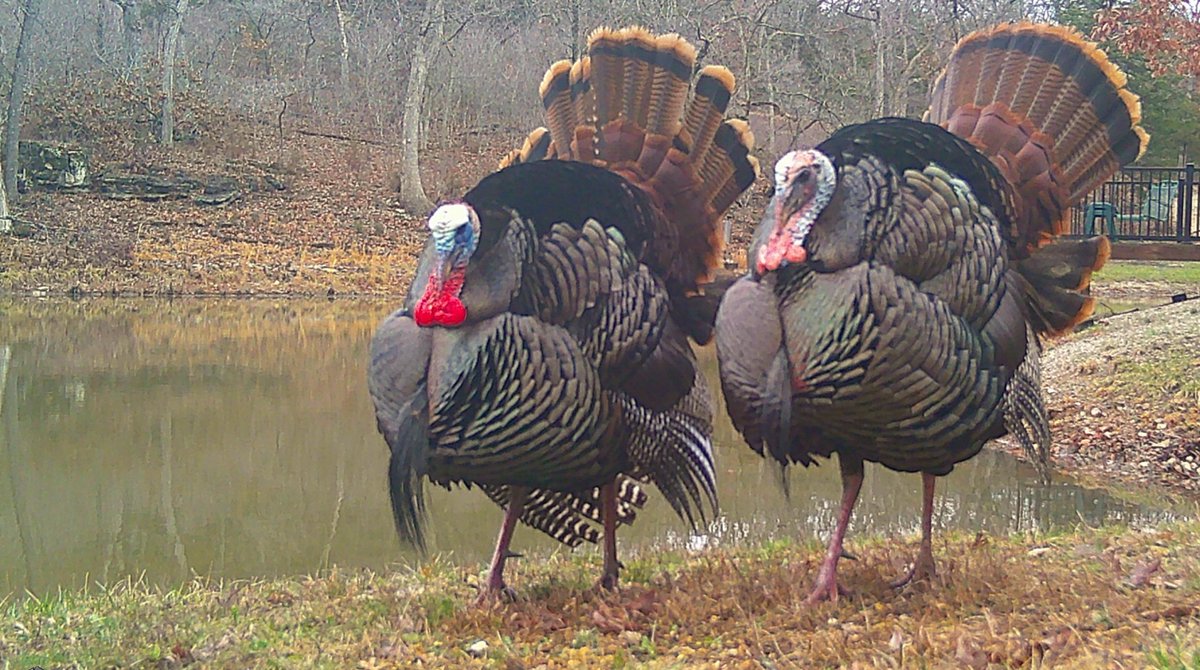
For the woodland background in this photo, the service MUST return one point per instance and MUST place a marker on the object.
(332, 125)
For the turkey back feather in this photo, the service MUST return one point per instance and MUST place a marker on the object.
(624, 107)
(1055, 116)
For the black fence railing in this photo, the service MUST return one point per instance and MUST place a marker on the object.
(1143, 203)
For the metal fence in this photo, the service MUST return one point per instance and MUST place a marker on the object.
(1143, 203)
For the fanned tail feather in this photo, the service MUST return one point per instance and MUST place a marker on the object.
(672, 449)
(1056, 277)
(538, 146)
(625, 107)
(1054, 114)
(572, 517)
(1048, 107)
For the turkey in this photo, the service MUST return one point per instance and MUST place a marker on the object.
(904, 271)
(543, 351)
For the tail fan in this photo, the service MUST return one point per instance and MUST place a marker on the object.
(625, 107)
(1054, 114)
(1049, 109)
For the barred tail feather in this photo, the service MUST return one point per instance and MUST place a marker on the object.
(625, 107)
(572, 518)
(538, 146)
(555, 93)
(1050, 110)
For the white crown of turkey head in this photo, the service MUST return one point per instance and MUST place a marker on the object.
(447, 219)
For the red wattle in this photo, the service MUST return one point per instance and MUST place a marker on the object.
(440, 305)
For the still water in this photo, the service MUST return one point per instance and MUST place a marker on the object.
(235, 438)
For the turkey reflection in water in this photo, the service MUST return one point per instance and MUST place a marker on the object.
(235, 439)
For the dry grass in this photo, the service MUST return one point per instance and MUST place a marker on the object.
(1109, 597)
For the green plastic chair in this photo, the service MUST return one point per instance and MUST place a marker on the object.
(1160, 200)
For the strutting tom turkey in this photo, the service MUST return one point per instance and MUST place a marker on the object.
(904, 271)
(543, 352)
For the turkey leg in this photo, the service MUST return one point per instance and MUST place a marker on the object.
(495, 585)
(608, 502)
(852, 479)
(923, 567)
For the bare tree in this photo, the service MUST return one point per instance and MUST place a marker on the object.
(412, 193)
(170, 46)
(131, 30)
(16, 98)
(5, 221)
(344, 53)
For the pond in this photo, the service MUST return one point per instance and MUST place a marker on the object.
(235, 438)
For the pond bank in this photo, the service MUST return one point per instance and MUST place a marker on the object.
(1104, 597)
(1124, 400)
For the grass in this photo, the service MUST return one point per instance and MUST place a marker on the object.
(1073, 603)
(1174, 272)
(1172, 372)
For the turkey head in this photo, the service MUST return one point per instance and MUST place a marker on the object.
(454, 229)
(804, 184)
(821, 215)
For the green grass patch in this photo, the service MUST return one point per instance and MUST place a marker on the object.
(1171, 372)
(1175, 272)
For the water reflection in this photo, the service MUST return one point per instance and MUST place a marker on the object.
(235, 438)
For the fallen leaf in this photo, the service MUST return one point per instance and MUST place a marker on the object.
(1142, 573)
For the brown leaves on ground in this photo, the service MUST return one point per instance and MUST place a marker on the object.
(1085, 599)
(335, 226)
(992, 605)
(1124, 398)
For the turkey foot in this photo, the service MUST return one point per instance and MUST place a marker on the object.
(490, 593)
(923, 567)
(495, 588)
(612, 567)
(827, 587)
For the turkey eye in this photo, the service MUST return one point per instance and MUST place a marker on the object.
(462, 233)
(802, 178)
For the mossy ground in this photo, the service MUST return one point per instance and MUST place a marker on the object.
(1106, 597)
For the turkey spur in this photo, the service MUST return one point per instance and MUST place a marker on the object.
(904, 272)
(543, 351)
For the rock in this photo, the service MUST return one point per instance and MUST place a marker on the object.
(49, 165)
(478, 648)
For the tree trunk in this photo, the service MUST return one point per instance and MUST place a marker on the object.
(131, 31)
(344, 54)
(412, 193)
(5, 356)
(167, 127)
(16, 98)
(100, 46)
(5, 222)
